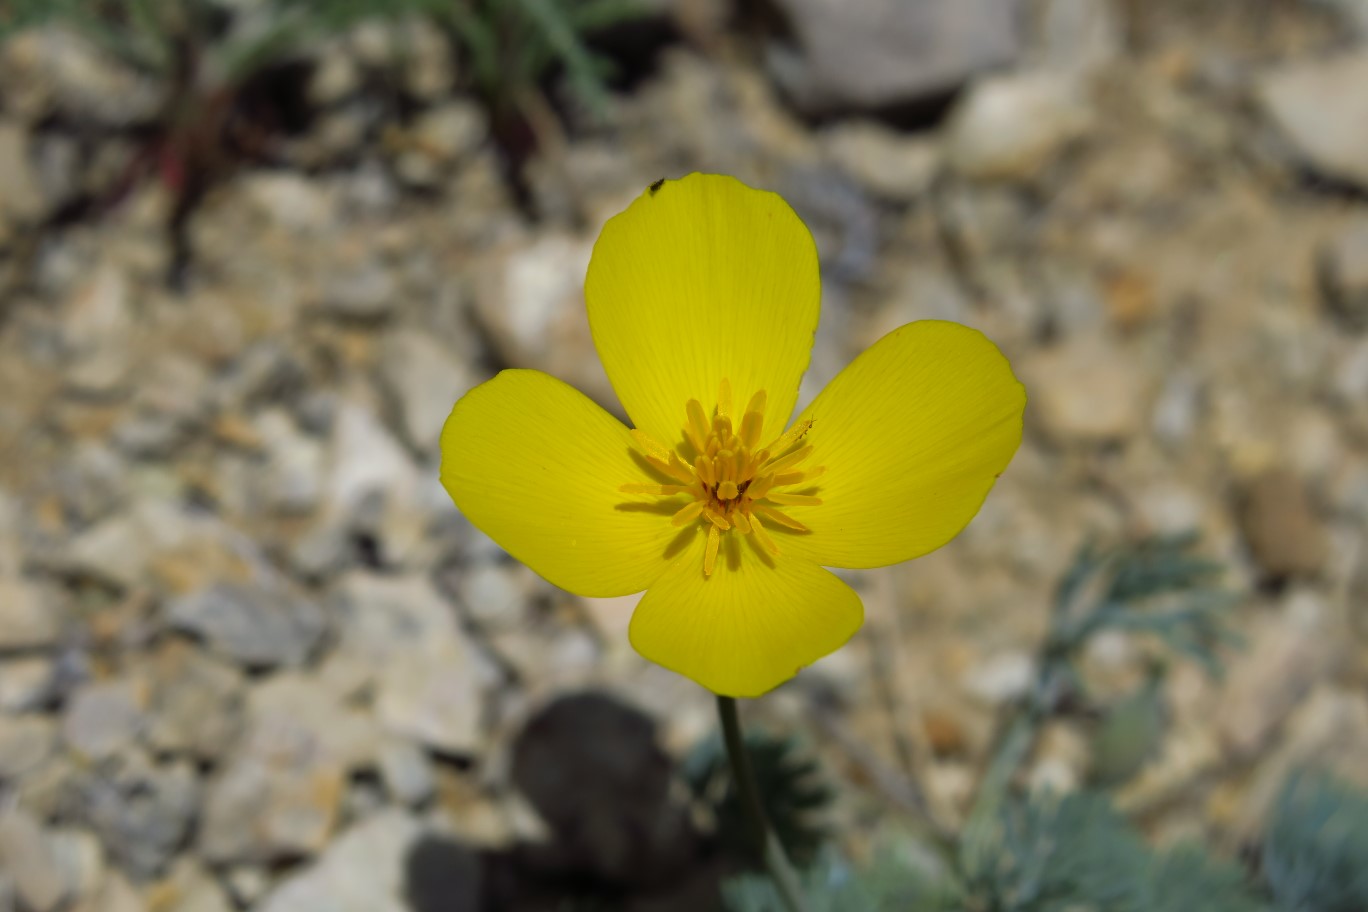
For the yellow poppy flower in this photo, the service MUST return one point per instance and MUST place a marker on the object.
(703, 301)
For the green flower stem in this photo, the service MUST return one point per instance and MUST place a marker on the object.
(780, 870)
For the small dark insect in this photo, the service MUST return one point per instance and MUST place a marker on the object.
(657, 185)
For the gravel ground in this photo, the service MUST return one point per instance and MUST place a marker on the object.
(252, 658)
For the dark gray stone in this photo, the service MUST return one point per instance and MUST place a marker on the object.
(257, 626)
(862, 54)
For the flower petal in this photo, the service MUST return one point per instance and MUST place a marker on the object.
(912, 433)
(750, 626)
(537, 466)
(701, 279)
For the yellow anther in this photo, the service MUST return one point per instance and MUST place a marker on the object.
(674, 468)
(760, 487)
(652, 446)
(732, 480)
(706, 469)
(716, 518)
(797, 500)
(762, 536)
(726, 465)
(791, 459)
(782, 519)
(687, 513)
(660, 490)
(680, 469)
(751, 423)
(793, 478)
(791, 436)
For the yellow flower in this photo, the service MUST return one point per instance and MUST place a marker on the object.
(703, 301)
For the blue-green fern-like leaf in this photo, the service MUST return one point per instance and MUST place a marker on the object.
(1315, 853)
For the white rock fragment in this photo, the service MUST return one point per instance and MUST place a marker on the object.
(367, 461)
(425, 380)
(407, 771)
(1010, 128)
(363, 871)
(1321, 107)
(434, 698)
(1086, 390)
(892, 165)
(1001, 678)
(26, 852)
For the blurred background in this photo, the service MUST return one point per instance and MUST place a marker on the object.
(251, 251)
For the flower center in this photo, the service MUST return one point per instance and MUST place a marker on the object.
(732, 482)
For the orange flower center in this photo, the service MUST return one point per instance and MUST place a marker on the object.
(731, 481)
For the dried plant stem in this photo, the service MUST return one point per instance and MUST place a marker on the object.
(780, 870)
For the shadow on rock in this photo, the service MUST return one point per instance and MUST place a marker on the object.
(621, 838)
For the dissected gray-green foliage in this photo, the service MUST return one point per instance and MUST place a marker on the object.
(1077, 853)
(1315, 854)
(832, 884)
(792, 791)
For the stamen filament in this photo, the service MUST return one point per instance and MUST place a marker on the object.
(674, 468)
(793, 458)
(680, 469)
(797, 500)
(653, 447)
(730, 483)
(716, 518)
(660, 490)
(762, 536)
(781, 518)
(791, 436)
(793, 478)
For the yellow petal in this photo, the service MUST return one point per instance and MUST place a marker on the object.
(749, 626)
(538, 467)
(912, 435)
(703, 279)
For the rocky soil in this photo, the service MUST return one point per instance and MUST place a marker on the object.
(252, 658)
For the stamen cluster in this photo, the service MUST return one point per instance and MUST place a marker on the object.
(732, 481)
